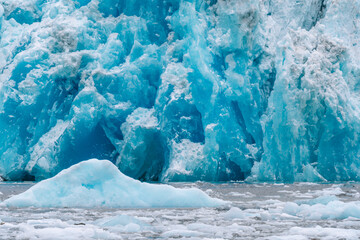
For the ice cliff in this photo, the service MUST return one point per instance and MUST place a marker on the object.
(181, 90)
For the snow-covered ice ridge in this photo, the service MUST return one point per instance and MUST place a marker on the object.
(176, 90)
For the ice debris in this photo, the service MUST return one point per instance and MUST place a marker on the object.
(123, 223)
(325, 207)
(98, 183)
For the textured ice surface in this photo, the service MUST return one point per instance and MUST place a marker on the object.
(181, 90)
(96, 183)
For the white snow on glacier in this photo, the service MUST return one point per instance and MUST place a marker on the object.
(95, 183)
(181, 90)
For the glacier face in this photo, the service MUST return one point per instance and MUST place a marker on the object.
(181, 90)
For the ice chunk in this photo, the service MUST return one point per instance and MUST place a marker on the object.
(123, 223)
(61, 230)
(325, 207)
(96, 183)
(234, 213)
(318, 232)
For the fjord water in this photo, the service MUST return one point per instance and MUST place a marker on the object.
(256, 211)
(181, 90)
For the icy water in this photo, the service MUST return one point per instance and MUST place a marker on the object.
(255, 211)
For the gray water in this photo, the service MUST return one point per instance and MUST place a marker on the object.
(254, 212)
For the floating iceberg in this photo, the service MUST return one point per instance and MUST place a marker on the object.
(122, 223)
(181, 90)
(96, 183)
(325, 207)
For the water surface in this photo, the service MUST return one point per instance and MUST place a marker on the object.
(255, 211)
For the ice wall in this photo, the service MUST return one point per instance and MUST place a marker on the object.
(181, 90)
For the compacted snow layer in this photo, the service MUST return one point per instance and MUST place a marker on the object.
(96, 183)
(264, 214)
(181, 90)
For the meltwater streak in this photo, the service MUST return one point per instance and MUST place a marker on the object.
(172, 90)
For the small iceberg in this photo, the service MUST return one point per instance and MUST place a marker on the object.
(122, 223)
(323, 208)
(96, 183)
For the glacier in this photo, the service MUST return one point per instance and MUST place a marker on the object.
(181, 90)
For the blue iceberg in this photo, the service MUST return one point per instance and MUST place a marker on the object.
(181, 90)
(98, 183)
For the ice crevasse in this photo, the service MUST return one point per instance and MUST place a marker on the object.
(181, 90)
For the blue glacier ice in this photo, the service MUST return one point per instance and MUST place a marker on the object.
(95, 183)
(181, 90)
